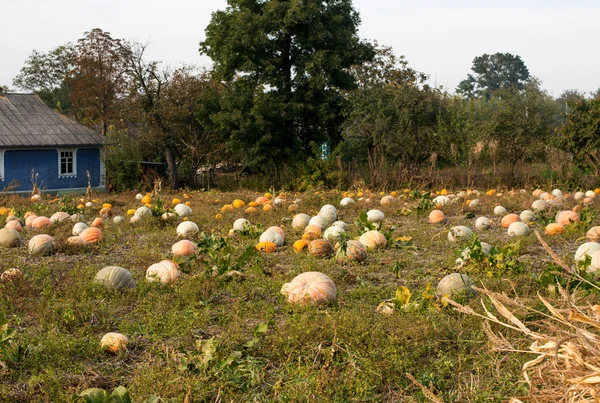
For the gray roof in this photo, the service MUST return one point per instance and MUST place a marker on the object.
(27, 122)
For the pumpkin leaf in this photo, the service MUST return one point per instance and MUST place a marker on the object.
(261, 328)
(95, 395)
(403, 296)
(121, 395)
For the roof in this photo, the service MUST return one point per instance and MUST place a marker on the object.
(26, 121)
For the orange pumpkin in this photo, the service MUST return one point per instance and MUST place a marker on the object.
(98, 222)
(261, 200)
(593, 235)
(14, 224)
(509, 219)
(320, 248)
(251, 210)
(41, 223)
(312, 232)
(310, 288)
(301, 245)
(266, 247)
(184, 248)
(566, 217)
(554, 229)
(105, 212)
(146, 199)
(113, 342)
(91, 235)
(29, 220)
(437, 217)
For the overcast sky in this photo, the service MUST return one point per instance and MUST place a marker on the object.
(557, 40)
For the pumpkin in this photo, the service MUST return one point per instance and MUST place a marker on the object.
(11, 275)
(437, 217)
(261, 200)
(527, 216)
(252, 204)
(509, 219)
(183, 248)
(36, 198)
(483, 223)
(79, 227)
(131, 211)
(518, 228)
(14, 224)
(475, 203)
(267, 207)
(320, 248)
(241, 224)
(566, 217)
(118, 219)
(267, 247)
(579, 196)
(328, 207)
(165, 271)
(593, 234)
(595, 262)
(251, 210)
(115, 277)
(41, 223)
(76, 241)
(500, 211)
(271, 237)
(540, 205)
(310, 288)
(113, 342)
(537, 192)
(278, 230)
(175, 201)
(105, 212)
(237, 203)
(347, 201)
(14, 218)
(4, 211)
(333, 233)
(355, 252)
(557, 201)
(486, 248)
(182, 210)
(590, 194)
(328, 217)
(554, 229)
(460, 233)
(91, 235)
(456, 285)
(375, 216)
(341, 224)
(143, 212)
(59, 216)
(586, 249)
(301, 245)
(146, 199)
(41, 245)
(319, 221)
(441, 200)
(312, 232)
(386, 200)
(9, 237)
(187, 228)
(373, 240)
(98, 222)
(89, 204)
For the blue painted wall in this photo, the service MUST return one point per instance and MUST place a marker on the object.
(19, 163)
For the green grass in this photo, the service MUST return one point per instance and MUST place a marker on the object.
(343, 352)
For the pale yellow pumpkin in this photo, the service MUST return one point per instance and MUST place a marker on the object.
(310, 288)
(113, 342)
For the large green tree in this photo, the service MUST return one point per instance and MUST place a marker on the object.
(492, 73)
(285, 63)
(581, 133)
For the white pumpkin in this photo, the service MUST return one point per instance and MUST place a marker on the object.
(460, 233)
(557, 192)
(595, 263)
(319, 221)
(586, 249)
(539, 205)
(333, 234)
(182, 210)
(373, 240)
(518, 228)
(329, 216)
(347, 201)
(441, 200)
(139, 196)
(143, 212)
(375, 216)
(272, 236)
(240, 224)
(475, 203)
(590, 193)
(483, 223)
(166, 271)
(328, 207)
(187, 228)
(386, 200)
(59, 216)
(456, 285)
(527, 216)
(300, 221)
(341, 224)
(118, 219)
(579, 196)
(78, 228)
(500, 211)
(464, 256)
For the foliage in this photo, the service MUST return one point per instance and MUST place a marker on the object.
(404, 300)
(493, 73)
(499, 262)
(581, 134)
(285, 64)
(554, 276)
(122, 160)
(222, 261)
(97, 395)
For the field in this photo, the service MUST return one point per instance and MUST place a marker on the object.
(214, 335)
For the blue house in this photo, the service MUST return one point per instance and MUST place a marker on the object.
(36, 140)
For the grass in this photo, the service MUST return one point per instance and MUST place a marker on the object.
(202, 336)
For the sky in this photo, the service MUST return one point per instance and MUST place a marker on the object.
(557, 40)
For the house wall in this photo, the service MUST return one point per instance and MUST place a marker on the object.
(19, 163)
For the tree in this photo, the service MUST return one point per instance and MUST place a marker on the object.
(581, 134)
(285, 63)
(98, 79)
(492, 73)
(393, 114)
(46, 74)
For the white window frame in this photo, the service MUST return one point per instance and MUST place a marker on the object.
(67, 175)
(2, 165)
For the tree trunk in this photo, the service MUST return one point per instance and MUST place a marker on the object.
(171, 167)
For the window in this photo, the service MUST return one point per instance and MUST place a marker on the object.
(67, 165)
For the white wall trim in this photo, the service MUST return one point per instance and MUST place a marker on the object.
(74, 174)
(2, 165)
